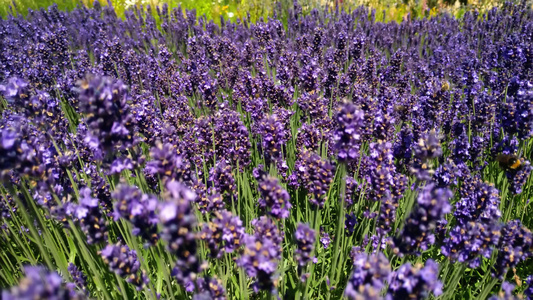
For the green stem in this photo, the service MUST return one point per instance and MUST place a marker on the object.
(340, 228)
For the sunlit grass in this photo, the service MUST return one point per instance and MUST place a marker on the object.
(386, 10)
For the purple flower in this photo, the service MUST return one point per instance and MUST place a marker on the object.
(325, 240)
(274, 198)
(223, 234)
(168, 164)
(387, 215)
(19, 147)
(139, 209)
(447, 174)
(78, 277)
(315, 108)
(370, 271)
(210, 288)
(178, 113)
(460, 144)
(470, 241)
(515, 246)
(266, 228)
(479, 202)
(349, 223)
(202, 296)
(309, 77)
(222, 178)
(104, 103)
(7, 207)
(178, 220)
(273, 137)
(232, 137)
(383, 127)
(119, 165)
(416, 282)
(310, 136)
(403, 147)
(380, 170)
(347, 134)
(260, 260)
(41, 284)
(16, 92)
(208, 89)
(427, 148)
(305, 243)
(125, 263)
(315, 174)
(353, 188)
(89, 215)
(100, 187)
(507, 145)
(207, 199)
(432, 205)
(517, 110)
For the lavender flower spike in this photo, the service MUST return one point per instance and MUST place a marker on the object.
(305, 242)
(347, 135)
(368, 277)
(41, 284)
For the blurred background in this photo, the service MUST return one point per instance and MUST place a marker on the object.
(386, 10)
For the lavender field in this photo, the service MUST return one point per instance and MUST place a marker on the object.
(311, 156)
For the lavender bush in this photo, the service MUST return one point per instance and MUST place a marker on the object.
(307, 156)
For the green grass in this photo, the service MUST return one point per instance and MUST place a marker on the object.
(386, 10)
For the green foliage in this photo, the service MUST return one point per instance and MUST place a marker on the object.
(387, 10)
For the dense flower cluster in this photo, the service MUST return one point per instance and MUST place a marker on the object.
(223, 234)
(427, 148)
(260, 260)
(273, 137)
(210, 288)
(315, 174)
(168, 164)
(90, 217)
(380, 170)
(415, 282)
(178, 221)
(232, 137)
(205, 146)
(266, 228)
(471, 241)
(432, 205)
(274, 198)
(18, 147)
(207, 199)
(515, 246)
(222, 179)
(104, 103)
(124, 262)
(479, 202)
(305, 243)
(370, 272)
(41, 284)
(347, 135)
(139, 209)
(78, 277)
